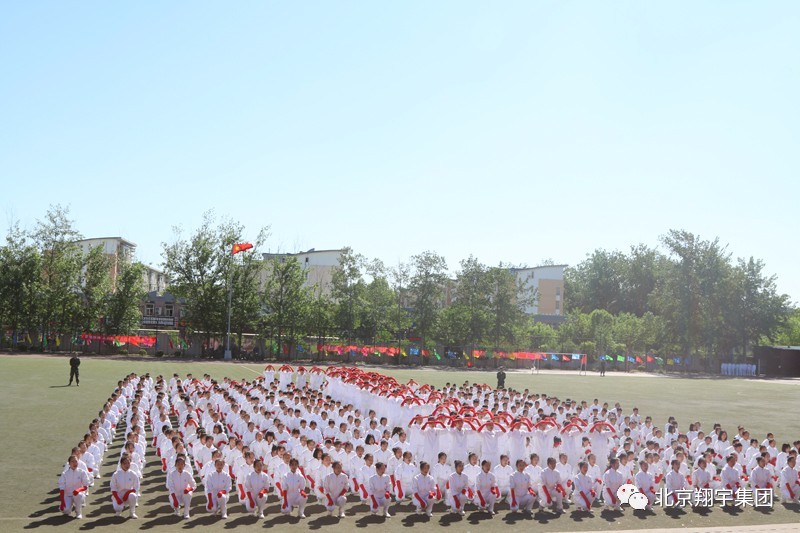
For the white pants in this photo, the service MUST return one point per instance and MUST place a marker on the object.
(292, 501)
(259, 501)
(425, 505)
(76, 501)
(339, 502)
(555, 498)
(524, 501)
(217, 503)
(786, 497)
(379, 502)
(178, 500)
(578, 500)
(488, 501)
(131, 502)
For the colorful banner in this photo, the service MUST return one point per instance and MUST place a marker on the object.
(118, 340)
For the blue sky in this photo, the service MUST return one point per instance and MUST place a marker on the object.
(514, 131)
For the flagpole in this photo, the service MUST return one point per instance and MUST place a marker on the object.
(228, 355)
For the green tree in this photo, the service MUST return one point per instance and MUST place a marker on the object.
(379, 304)
(59, 291)
(428, 279)
(286, 301)
(347, 290)
(95, 286)
(199, 267)
(20, 283)
(123, 312)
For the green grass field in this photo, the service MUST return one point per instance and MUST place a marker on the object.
(42, 419)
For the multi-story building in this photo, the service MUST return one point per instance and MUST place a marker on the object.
(317, 265)
(118, 249)
(546, 283)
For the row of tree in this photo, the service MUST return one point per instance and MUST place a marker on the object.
(706, 302)
(50, 288)
(687, 298)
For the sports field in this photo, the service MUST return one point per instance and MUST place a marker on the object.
(41, 419)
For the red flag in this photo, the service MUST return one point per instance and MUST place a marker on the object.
(241, 247)
(638, 359)
(650, 359)
(566, 357)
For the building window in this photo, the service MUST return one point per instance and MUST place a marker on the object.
(558, 291)
(148, 309)
(159, 311)
(168, 310)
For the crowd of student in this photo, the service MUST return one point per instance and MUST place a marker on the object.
(301, 436)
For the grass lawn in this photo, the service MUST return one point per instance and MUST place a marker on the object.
(42, 419)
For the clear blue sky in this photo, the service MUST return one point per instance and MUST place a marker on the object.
(514, 131)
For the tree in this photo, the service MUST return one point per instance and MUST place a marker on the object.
(286, 301)
(756, 308)
(95, 286)
(123, 314)
(596, 282)
(473, 286)
(199, 268)
(58, 293)
(427, 289)
(245, 278)
(379, 304)
(20, 283)
(320, 317)
(347, 290)
(788, 333)
(507, 302)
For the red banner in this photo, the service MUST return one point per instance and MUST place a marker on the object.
(136, 340)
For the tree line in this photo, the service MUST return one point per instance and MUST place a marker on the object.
(686, 297)
(50, 288)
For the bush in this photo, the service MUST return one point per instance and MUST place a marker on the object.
(142, 352)
(177, 353)
(122, 351)
(159, 353)
(22, 348)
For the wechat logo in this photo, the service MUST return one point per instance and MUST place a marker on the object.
(629, 494)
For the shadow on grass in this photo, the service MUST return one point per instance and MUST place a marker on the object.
(794, 507)
(450, 518)
(371, 520)
(164, 520)
(245, 520)
(324, 520)
(55, 520)
(611, 516)
(105, 521)
(411, 520)
(512, 517)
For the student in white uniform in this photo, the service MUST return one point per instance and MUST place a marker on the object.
(551, 481)
(217, 485)
(336, 485)
(125, 488)
(257, 486)
(293, 485)
(181, 486)
(379, 487)
(458, 493)
(521, 491)
(583, 494)
(486, 490)
(423, 487)
(72, 485)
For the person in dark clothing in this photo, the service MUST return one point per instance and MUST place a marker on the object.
(74, 363)
(501, 379)
(602, 367)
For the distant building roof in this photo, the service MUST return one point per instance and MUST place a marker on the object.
(124, 241)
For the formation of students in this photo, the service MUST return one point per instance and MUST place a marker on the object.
(294, 437)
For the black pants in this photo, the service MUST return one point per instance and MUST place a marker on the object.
(73, 372)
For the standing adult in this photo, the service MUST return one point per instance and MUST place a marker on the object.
(501, 378)
(602, 366)
(74, 363)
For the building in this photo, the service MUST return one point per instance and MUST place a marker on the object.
(547, 282)
(161, 311)
(318, 266)
(118, 249)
